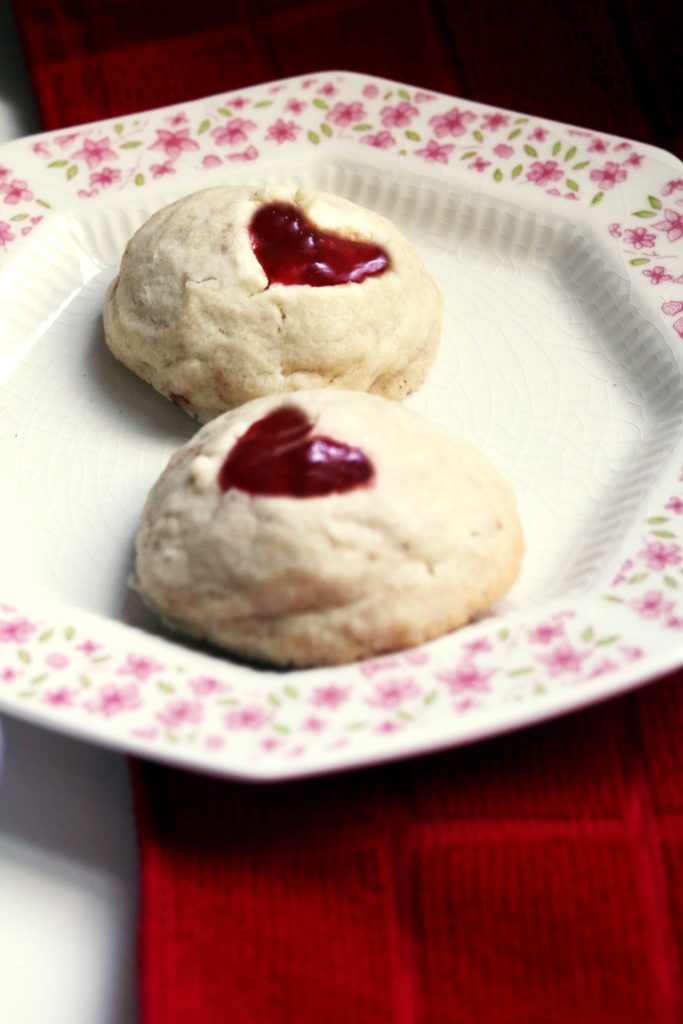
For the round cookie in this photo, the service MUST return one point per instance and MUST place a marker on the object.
(205, 309)
(323, 527)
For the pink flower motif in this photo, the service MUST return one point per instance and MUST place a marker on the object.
(542, 172)
(609, 175)
(634, 160)
(95, 152)
(479, 164)
(503, 151)
(159, 170)
(344, 114)
(239, 102)
(270, 743)
(631, 653)
(181, 712)
(214, 742)
(538, 134)
(294, 106)
(602, 667)
(138, 667)
(398, 116)
(314, 724)
(622, 145)
(598, 146)
(674, 622)
(15, 192)
(211, 160)
(15, 631)
(652, 605)
(672, 186)
(657, 275)
(327, 89)
(672, 225)
(466, 677)
(107, 176)
(388, 726)
(88, 193)
(113, 700)
(657, 555)
(4, 172)
(283, 131)
(250, 153)
(465, 705)
(247, 718)
(57, 660)
(8, 675)
(546, 633)
(423, 97)
(454, 122)
(674, 505)
(174, 143)
(672, 308)
(571, 195)
(40, 149)
(204, 686)
(370, 91)
(390, 693)
(639, 238)
(176, 119)
(233, 132)
(381, 140)
(621, 575)
(88, 647)
(66, 140)
(615, 230)
(6, 233)
(563, 658)
(331, 696)
(61, 698)
(480, 646)
(493, 122)
(434, 153)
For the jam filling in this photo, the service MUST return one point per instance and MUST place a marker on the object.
(292, 250)
(278, 456)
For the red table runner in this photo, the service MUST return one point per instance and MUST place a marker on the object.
(535, 879)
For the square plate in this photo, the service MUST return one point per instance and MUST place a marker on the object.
(560, 255)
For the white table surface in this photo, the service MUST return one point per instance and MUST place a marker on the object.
(67, 851)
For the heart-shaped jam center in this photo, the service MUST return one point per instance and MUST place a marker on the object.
(279, 457)
(292, 250)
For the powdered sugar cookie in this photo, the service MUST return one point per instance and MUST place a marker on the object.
(233, 293)
(325, 526)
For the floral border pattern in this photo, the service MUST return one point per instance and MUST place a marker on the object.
(80, 674)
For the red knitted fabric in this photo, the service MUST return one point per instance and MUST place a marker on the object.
(535, 879)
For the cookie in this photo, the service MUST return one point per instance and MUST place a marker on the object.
(233, 293)
(325, 526)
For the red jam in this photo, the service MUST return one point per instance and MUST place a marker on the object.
(278, 457)
(292, 250)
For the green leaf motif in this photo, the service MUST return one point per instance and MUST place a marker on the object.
(638, 578)
(666, 534)
(314, 138)
(606, 640)
(644, 213)
(514, 133)
(84, 681)
(166, 687)
(24, 657)
(284, 729)
(580, 166)
(362, 127)
(655, 203)
(58, 163)
(403, 93)
(430, 697)
(671, 582)
(656, 520)
(413, 136)
(503, 634)
(274, 700)
(204, 126)
(571, 153)
(388, 95)
(130, 145)
(44, 202)
(613, 599)
(72, 172)
(596, 198)
(263, 103)
(573, 185)
(516, 171)
(469, 154)
(403, 152)
(520, 120)
(225, 111)
(44, 636)
(37, 680)
(519, 672)
(498, 174)
(139, 179)
(478, 135)
(587, 634)
(320, 104)
(639, 261)
(326, 130)
(291, 691)
(118, 128)
(556, 148)
(19, 216)
(530, 151)
(69, 633)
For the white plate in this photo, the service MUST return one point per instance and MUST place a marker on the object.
(560, 256)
